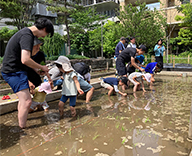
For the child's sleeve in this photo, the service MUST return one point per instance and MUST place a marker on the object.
(156, 48)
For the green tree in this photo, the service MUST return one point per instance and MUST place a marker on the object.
(146, 25)
(185, 33)
(64, 8)
(111, 36)
(84, 21)
(52, 45)
(18, 10)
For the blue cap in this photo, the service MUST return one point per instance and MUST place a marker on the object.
(140, 58)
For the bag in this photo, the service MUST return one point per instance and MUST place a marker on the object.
(81, 68)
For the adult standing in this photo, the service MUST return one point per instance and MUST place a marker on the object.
(132, 43)
(159, 49)
(39, 57)
(120, 46)
(17, 56)
(126, 56)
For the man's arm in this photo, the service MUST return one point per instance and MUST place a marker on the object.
(135, 65)
(26, 60)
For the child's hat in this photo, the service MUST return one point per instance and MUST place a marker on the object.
(61, 60)
(36, 41)
(147, 77)
(124, 80)
(46, 87)
(67, 67)
(140, 58)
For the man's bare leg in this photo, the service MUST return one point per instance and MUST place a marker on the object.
(23, 106)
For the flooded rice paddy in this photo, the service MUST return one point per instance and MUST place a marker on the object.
(152, 124)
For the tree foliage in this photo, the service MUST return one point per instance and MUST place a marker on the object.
(84, 21)
(185, 33)
(64, 8)
(52, 46)
(17, 10)
(146, 25)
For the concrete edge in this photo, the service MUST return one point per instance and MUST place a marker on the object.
(10, 106)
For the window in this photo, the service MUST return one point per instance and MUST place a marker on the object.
(171, 3)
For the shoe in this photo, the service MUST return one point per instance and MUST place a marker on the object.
(7, 97)
(4, 98)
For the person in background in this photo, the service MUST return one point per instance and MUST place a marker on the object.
(111, 83)
(120, 46)
(70, 85)
(132, 43)
(17, 56)
(39, 95)
(84, 78)
(159, 50)
(38, 56)
(128, 55)
(56, 77)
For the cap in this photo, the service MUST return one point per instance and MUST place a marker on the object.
(61, 60)
(142, 47)
(37, 41)
(46, 87)
(122, 38)
(147, 77)
(140, 58)
(67, 67)
(124, 80)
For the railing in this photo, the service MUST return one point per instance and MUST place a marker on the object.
(171, 59)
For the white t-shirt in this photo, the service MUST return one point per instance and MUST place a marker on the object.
(132, 45)
(69, 87)
(137, 74)
(86, 76)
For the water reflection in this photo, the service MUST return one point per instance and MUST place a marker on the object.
(151, 123)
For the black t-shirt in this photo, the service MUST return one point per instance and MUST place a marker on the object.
(32, 75)
(126, 54)
(22, 40)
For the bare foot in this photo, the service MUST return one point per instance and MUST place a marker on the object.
(73, 111)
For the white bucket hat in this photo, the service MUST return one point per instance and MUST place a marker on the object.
(61, 60)
(147, 77)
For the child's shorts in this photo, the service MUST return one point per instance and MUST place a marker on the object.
(72, 102)
(43, 104)
(105, 85)
(18, 81)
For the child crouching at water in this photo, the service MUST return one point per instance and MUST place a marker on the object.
(39, 95)
(111, 83)
(136, 78)
(70, 85)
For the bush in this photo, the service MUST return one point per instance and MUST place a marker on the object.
(75, 56)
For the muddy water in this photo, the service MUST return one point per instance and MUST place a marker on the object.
(152, 124)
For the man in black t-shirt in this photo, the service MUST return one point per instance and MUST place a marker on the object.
(126, 56)
(17, 56)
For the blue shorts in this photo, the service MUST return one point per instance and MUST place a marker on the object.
(18, 81)
(84, 85)
(72, 100)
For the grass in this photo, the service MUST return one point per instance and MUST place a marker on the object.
(95, 136)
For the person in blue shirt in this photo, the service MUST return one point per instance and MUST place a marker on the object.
(111, 83)
(152, 68)
(120, 46)
(159, 49)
